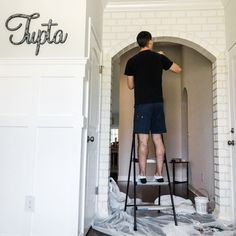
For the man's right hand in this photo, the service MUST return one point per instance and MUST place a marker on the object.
(161, 52)
(175, 68)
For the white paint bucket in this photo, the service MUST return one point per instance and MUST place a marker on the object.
(201, 204)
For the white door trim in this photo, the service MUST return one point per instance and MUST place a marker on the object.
(232, 122)
(91, 32)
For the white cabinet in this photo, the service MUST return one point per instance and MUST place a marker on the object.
(41, 120)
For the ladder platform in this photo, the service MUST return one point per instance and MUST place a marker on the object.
(149, 160)
(154, 207)
(153, 182)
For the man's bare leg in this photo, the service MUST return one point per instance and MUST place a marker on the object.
(159, 151)
(142, 153)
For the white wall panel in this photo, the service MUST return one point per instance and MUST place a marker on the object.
(40, 145)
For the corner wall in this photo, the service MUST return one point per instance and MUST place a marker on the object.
(197, 80)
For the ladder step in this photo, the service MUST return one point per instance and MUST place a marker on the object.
(154, 207)
(149, 161)
(152, 182)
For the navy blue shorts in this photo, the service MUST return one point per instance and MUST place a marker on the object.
(148, 118)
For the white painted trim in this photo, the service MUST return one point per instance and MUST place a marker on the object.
(44, 61)
(89, 35)
(150, 5)
(231, 107)
(92, 29)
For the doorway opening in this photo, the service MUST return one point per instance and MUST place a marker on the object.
(188, 105)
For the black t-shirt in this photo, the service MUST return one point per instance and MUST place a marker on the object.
(147, 67)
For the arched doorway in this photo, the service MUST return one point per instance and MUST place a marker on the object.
(216, 59)
(197, 78)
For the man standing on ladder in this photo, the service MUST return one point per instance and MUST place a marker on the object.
(144, 71)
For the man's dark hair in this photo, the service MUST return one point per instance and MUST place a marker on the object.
(143, 38)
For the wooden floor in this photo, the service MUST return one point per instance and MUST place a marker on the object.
(149, 194)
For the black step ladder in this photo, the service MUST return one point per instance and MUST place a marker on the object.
(147, 207)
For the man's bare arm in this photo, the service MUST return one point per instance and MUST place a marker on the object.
(130, 82)
(175, 68)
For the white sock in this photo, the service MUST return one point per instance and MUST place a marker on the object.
(158, 177)
(141, 176)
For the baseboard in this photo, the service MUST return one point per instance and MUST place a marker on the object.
(196, 192)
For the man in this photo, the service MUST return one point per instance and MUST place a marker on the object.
(144, 71)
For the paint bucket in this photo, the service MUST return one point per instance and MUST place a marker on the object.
(201, 204)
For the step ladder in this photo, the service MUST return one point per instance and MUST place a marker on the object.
(147, 207)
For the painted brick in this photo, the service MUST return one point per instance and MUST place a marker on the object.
(217, 34)
(194, 13)
(111, 22)
(181, 20)
(209, 27)
(194, 27)
(131, 28)
(118, 15)
(200, 20)
(169, 21)
(181, 27)
(124, 21)
(204, 27)
(220, 13)
(138, 22)
(215, 20)
(106, 15)
(209, 13)
(154, 21)
(147, 14)
(132, 15)
(162, 14)
(178, 13)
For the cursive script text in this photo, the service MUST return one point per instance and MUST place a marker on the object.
(38, 37)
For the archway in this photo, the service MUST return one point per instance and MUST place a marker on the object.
(217, 59)
(195, 78)
(171, 39)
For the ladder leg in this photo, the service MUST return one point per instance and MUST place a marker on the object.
(134, 175)
(128, 182)
(159, 197)
(170, 190)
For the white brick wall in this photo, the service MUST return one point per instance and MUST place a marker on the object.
(203, 30)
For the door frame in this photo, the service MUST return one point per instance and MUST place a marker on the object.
(232, 122)
(82, 184)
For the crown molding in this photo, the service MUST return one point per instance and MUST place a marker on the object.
(168, 5)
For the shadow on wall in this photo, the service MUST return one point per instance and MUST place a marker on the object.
(188, 110)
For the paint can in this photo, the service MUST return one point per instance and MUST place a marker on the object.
(201, 204)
